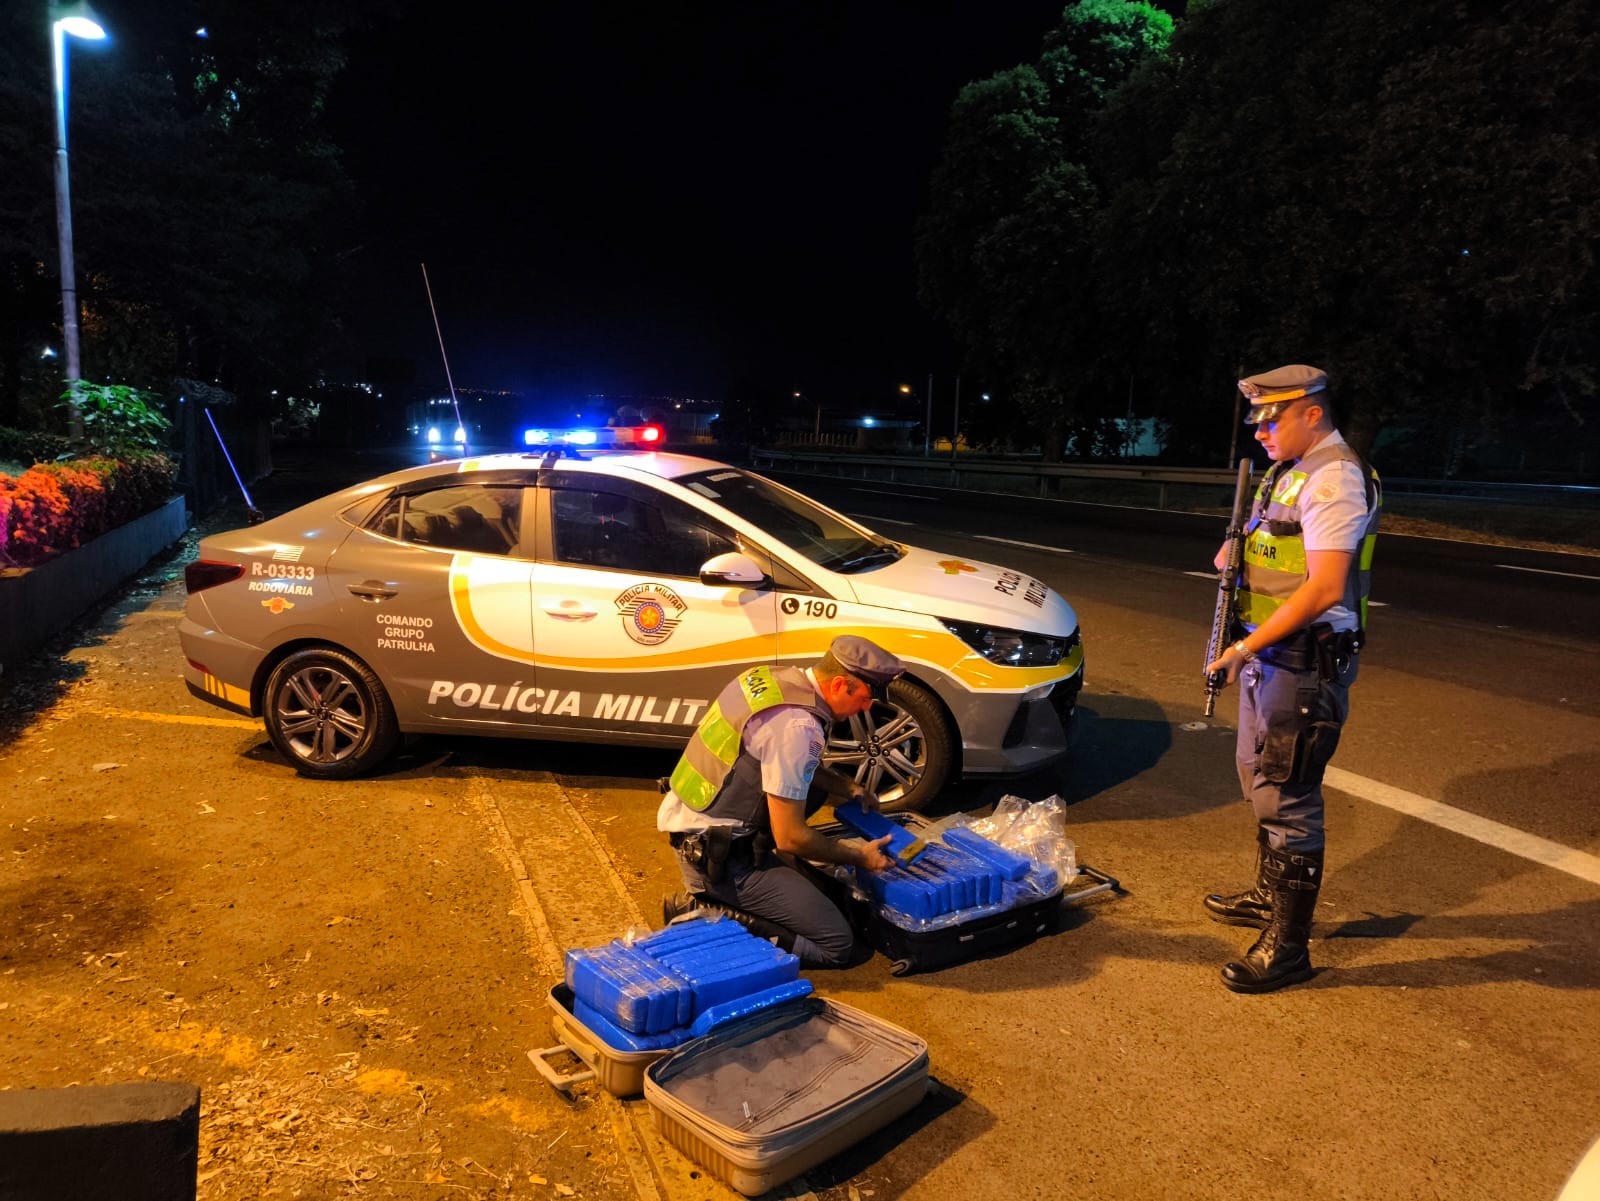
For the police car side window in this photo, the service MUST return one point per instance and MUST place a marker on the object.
(658, 536)
(465, 517)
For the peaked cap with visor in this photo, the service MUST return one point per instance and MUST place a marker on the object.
(1272, 391)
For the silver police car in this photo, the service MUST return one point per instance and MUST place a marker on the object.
(608, 598)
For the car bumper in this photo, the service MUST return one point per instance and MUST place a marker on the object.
(1031, 735)
(217, 668)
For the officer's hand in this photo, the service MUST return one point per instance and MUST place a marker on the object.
(1230, 663)
(872, 856)
(865, 797)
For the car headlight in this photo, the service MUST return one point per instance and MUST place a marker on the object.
(1012, 648)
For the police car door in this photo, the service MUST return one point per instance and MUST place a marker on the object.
(630, 641)
(435, 595)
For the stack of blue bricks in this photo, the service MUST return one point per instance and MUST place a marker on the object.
(645, 997)
(966, 871)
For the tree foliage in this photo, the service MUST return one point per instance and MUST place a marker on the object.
(207, 195)
(1003, 252)
(1406, 195)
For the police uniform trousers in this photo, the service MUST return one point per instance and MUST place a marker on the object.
(1290, 716)
(783, 895)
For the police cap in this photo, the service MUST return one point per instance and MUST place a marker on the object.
(866, 661)
(1270, 392)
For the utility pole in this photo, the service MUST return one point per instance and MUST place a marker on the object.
(927, 426)
(1233, 430)
(955, 422)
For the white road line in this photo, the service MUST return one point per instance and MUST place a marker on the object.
(1493, 833)
(886, 492)
(1571, 575)
(877, 520)
(1059, 550)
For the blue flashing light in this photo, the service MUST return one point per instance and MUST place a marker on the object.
(461, 436)
(582, 437)
(433, 435)
(535, 437)
(869, 421)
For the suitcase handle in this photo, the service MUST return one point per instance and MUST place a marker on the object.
(1105, 884)
(561, 1082)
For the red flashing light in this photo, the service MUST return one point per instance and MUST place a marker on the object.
(650, 433)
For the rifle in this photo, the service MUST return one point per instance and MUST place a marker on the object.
(1222, 621)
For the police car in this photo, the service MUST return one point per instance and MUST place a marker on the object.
(608, 597)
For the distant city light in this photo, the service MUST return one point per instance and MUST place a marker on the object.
(869, 421)
(49, 353)
(201, 32)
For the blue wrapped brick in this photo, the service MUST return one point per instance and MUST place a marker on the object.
(634, 997)
(1009, 864)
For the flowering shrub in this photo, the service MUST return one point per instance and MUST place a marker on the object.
(58, 506)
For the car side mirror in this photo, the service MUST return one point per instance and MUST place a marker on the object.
(733, 570)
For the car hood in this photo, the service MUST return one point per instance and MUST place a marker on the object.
(967, 590)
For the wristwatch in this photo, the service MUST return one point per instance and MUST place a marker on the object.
(1245, 653)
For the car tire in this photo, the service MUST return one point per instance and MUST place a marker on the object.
(328, 714)
(901, 749)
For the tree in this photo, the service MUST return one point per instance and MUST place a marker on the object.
(208, 199)
(1383, 190)
(1004, 249)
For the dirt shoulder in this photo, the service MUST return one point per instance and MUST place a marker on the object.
(346, 971)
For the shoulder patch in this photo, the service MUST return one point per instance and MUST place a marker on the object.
(1327, 489)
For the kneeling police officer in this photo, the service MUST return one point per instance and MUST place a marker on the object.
(752, 773)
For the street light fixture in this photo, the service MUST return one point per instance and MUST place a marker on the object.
(68, 20)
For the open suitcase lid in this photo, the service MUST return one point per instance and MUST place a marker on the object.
(783, 1071)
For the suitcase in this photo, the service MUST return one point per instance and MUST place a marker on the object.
(914, 949)
(766, 1096)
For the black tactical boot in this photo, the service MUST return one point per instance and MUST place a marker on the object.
(675, 904)
(1253, 906)
(1281, 955)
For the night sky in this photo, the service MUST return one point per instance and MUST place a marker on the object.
(659, 201)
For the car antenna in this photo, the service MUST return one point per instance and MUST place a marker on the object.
(456, 404)
(255, 514)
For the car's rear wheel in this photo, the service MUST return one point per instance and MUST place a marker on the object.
(328, 714)
(901, 749)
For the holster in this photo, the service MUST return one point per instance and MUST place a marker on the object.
(1334, 649)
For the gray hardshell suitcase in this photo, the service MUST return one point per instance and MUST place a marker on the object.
(769, 1095)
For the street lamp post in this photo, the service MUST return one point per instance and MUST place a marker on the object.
(74, 20)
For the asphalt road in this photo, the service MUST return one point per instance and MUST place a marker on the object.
(1448, 1047)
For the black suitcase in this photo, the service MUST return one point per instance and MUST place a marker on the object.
(925, 950)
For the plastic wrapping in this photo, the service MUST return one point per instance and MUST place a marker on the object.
(658, 983)
(1036, 829)
(974, 867)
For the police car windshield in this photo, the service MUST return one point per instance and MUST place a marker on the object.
(793, 520)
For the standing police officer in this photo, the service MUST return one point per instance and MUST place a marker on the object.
(1302, 608)
(747, 781)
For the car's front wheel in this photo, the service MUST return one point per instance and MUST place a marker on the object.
(328, 714)
(901, 749)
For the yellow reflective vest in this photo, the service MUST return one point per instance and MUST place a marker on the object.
(1275, 549)
(705, 774)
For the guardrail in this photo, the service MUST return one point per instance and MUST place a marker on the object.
(1046, 479)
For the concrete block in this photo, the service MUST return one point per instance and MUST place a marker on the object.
(132, 1142)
